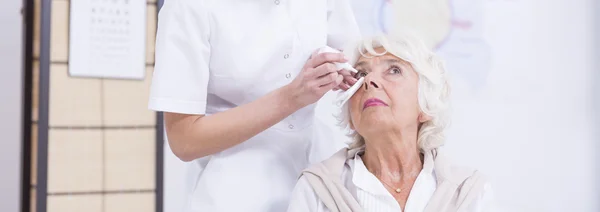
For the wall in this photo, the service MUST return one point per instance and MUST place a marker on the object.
(176, 184)
(531, 127)
(10, 104)
(596, 93)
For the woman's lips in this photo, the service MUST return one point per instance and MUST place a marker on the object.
(373, 102)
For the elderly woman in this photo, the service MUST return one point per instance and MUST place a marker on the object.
(397, 118)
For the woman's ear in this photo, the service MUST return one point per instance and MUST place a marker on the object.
(424, 117)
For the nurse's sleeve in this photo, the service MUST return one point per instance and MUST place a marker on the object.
(304, 198)
(181, 71)
(342, 27)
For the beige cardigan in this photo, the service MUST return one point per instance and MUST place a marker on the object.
(456, 187)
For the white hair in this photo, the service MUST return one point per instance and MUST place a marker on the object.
(433, 88)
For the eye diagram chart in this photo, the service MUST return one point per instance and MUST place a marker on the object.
(107, 39)
(453, 28)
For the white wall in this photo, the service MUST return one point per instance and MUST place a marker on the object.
(596, 88)
(176, 184)
(10, 105)
(530, 128)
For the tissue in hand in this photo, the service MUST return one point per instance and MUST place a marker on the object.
(344, 96)
(339, 66)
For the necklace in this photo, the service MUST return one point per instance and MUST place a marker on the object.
(396, 189)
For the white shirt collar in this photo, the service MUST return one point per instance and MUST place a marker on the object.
(420, 193)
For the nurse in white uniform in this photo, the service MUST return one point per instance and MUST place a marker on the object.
(237, 80)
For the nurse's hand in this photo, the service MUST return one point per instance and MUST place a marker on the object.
(318, 76)
(348, 81)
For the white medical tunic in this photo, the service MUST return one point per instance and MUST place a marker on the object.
(214, 55)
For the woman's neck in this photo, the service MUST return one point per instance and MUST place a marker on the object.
(393, 158)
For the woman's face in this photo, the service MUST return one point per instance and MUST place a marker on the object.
(388, 98)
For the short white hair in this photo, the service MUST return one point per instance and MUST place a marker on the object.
(433, 88)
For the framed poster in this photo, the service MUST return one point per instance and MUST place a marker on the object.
(107, 39)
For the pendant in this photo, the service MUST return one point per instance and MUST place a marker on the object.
(398, 190)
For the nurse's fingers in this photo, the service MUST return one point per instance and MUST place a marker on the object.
(345, 85)
(322, 70)
(350, 80)
(327, 57)
(342, 86)
(308, 63)
(332, 85)
(345, 72)
(330, 78)
(348, 76)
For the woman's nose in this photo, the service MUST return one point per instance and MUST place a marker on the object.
(370, 83)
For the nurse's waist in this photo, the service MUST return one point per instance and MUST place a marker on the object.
(297, 121)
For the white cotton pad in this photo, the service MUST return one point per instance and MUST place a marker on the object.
(343, 97)
(339, 66)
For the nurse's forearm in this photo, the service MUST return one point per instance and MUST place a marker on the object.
(194, 136)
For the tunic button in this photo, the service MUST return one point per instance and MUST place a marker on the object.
(286, 56)
(276, 2)
(291, 126)
(288, 75)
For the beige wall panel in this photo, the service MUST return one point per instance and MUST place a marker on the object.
(75, 203)
(34, 146)
(130, 159)
(75, 160)
(37, 11)
(150, 32)
(142, 202)
(32, 200)
(35, 91)
(59, 40)
(74, 101)
(126, 102)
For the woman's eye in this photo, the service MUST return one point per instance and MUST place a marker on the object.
(395, 70)
(360, 74)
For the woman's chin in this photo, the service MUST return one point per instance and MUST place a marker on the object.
(375, 120)
(375, 107)
(375, 113)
